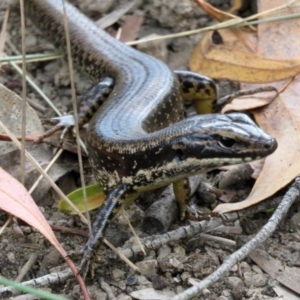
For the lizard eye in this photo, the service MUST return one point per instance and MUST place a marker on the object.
(226, 142)
(180, 154)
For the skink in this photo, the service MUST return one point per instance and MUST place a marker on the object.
(138, 139)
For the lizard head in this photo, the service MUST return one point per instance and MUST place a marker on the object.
(215, 140)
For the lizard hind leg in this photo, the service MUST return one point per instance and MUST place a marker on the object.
(200, 89)
(87, 108)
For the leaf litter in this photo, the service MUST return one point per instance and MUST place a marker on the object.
(293, 70)
(272, 59)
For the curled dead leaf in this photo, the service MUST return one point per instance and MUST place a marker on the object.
(222, 62)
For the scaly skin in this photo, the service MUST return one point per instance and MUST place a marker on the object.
(138, 140)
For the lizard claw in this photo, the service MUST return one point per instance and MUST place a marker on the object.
(63, 123)
(86, 264)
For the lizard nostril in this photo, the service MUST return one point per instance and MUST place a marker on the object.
(271, 145)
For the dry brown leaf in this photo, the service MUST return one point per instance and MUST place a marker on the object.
(257, 166)
(236, 5)
(281, 118)
(280, 168)
(222, 62)
(237, 59)
(215, 13)
(222, 16)
(131, 28)
(10, 162)
(233, 36)
(10, 114)
(239, 39)
(10, 158)
(284, 293)
(228, 195)
(248, 103)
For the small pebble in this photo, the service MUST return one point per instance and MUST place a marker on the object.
(30, 41)
(179, 289)
(131, 279)
(234, 269)
(143, 282)
(122, 285)
(256, 269)
(185, 276)
(233, 281)
(158, 282)
(25, 229)
(239, 292)
(147, 267)
(117, 274)
(252, 279)
(11, 257)
(222, 298)
(227, 294)
(100, 295)
(295, 221)
(163, 251)
(124, 297)
(176, 263)
(244, 267)
(179, 250)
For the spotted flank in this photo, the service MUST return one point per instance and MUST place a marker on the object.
(201, 89)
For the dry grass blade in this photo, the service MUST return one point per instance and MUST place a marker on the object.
(24, 93)
(133, 231)
(74, 102)
(3, 32)
(30, 58)
(120, 254)
(223, 25)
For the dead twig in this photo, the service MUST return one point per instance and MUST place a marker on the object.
(107, 289)
(279, 214)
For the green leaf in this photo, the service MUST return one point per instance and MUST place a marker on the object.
(95, 198)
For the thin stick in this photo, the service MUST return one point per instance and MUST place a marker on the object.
(71, 72)
(133, 231)
(282, 209)
(30, 262)
(24, 92)
(123, 257)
